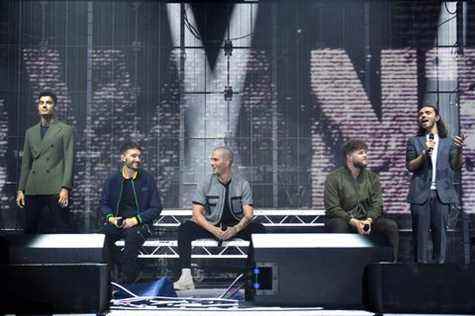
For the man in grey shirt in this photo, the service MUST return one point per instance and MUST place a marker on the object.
(222, 209)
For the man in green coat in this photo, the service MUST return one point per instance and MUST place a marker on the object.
(354, 200)
(46, 177)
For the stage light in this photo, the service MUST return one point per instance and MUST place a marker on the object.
(228, 47)
(228, 93)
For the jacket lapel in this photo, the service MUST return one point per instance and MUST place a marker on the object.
(36, 136)
(53, 130)
(422, 143)
(443, 143)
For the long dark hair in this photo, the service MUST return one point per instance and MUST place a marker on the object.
(441, 128)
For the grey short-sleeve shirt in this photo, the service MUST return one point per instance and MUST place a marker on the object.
(211, 194)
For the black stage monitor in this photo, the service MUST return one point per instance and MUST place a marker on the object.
(323, 270)
(44, 274)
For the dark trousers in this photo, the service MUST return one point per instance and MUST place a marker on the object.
(58, 220)
(432, 214)
(189, 231)
(382, 226)
(127, 260)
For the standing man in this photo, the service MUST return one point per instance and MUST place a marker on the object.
(130, 203)
(46, 177)
(432, 158)
(353, 198)
(222, 209)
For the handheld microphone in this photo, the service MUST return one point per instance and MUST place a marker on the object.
(431, 137)
(366, 227)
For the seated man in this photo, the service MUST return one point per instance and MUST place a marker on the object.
(130, 203)
(353, 198)
(222, 209)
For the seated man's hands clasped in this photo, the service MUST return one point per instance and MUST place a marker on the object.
(123, 223)
(363, 227)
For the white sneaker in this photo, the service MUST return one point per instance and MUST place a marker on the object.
(185, 282)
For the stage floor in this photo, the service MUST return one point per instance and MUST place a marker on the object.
(258, 311)
(243, 309)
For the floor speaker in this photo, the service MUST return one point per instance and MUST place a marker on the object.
(420, 288)
(45, 274)
(312, 269)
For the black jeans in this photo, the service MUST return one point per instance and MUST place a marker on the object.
(37, 222)
(384, 226)
(189, 231)
(126, 261)
(432, 214)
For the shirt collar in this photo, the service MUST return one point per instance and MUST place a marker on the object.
(50, 122)
(436, 136)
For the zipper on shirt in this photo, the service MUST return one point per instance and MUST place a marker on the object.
(135, 198)
(120, 196)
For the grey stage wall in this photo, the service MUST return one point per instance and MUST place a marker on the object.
(306, 75)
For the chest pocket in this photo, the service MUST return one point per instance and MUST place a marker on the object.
(236, 204)
(212, 200)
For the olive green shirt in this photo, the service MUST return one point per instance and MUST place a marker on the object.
(348, 197)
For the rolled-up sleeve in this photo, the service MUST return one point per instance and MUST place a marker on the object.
(247, 194)
(199, 197)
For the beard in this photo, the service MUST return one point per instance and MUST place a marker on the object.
(132, 165)
(427, 125)
(360, 165)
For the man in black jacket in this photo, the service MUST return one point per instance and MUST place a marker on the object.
(130, 203)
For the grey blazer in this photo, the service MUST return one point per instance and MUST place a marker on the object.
(47, 164)
(419, 188)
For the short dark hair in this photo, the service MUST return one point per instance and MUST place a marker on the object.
(441, 128)
(129, 145)
(226, 153)
(353, 145)
(48, 94)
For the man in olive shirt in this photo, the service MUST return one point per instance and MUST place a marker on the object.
(353, 198)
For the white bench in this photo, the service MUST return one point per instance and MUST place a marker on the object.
(235, 248)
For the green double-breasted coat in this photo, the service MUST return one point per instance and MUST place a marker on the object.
(47, 164)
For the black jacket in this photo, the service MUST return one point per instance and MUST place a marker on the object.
(148, 198)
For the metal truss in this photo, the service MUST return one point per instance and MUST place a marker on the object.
(236, 248)
(201, 249)
(268, 217)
